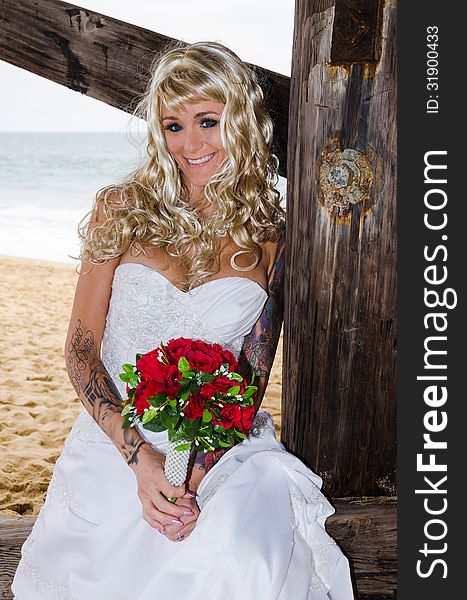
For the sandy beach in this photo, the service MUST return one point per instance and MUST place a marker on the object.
(37, 401)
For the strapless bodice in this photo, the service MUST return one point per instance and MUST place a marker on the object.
(146, 309)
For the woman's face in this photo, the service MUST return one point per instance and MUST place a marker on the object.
(193, 138)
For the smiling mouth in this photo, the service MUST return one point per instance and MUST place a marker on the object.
(196, 162)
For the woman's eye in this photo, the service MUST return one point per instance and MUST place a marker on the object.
(209, 123)
(173, 127)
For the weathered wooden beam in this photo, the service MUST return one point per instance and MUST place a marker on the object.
(339, 381)
(13, 532)
(102, 57)
(364, 528)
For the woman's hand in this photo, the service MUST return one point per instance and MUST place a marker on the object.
(177, 533)
(153, 491)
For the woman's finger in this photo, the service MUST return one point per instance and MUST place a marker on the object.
(150, 515)
(179, 535)
(165, 507)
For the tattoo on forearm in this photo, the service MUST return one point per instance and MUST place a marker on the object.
(98, 391)
(133, 444)
(259, 346)
(81, 346)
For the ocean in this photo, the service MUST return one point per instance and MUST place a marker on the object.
(48, 182)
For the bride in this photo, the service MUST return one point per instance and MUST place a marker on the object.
(191, 244)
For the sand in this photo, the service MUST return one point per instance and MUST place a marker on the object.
(37, 402)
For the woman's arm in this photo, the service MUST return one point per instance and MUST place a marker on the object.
(99, 394)
(91, 381)
(260, 345)
(257, 353)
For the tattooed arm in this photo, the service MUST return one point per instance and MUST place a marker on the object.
(100, 397)
(96, 389)
(260, 345)
(258, 351)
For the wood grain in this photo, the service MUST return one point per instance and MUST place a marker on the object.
(339, 393)
(365, 530)
(104, 58)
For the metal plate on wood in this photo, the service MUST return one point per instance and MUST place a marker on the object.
(345, 178)
(356, 34)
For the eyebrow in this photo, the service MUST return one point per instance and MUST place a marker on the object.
(200, 114)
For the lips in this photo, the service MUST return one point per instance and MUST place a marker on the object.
(199, 162)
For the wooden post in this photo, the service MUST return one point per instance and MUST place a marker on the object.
(339, 323)
(103, 57)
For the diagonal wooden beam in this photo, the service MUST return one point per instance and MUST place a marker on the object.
(103, 57)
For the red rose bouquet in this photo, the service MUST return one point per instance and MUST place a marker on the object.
(193, 390)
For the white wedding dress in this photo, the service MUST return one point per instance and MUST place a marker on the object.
(260, 534)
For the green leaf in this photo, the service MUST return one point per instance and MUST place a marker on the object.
(126, 423)
(206, 377)
(223, 444)
(234, 390)
(149, 415)
(157, 400)
(167, 419)
(188, 429)
(194, 387)
(207, 416)
(126, 409)
(185, 395)
(183, 365)
(128, 368)
(235, 376)
(249, 391)
(182, 447)
(155, 426)
(240, 434)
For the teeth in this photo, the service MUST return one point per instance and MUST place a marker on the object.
(200, 160)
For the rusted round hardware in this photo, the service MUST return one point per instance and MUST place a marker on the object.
(345, 178)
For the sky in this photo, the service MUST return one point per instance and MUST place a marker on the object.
(259, 31)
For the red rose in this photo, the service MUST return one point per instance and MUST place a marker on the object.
(247, 415)
(229, 415)
(208, 390)
(228, 357)
(195, 407)
(171, 382)
(241, 417)
(150, 366)
(222, 384)
(152, 369)
(201, 355)
(144, 390)
(176, 348)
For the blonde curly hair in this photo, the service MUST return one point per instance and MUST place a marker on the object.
(150, 208)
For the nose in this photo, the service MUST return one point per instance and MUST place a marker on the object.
(193, 140)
